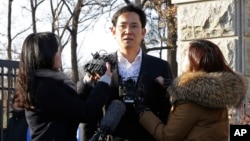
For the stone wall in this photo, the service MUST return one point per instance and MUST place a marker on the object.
(225, 22)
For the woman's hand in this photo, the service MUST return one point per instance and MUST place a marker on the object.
(108, 71)
(163, 82)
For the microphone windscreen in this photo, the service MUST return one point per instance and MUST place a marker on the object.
(113, 115)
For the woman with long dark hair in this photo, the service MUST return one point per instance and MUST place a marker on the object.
(53, 108)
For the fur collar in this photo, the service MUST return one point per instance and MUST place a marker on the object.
(214, 90)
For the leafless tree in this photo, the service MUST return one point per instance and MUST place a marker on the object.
(81, 15)
(11, 37)
(167, 12)
(73, 33)
(33, 6)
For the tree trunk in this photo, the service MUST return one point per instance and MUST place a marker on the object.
(9, 30)
(76, 13)
(172, 38)
(33, 13)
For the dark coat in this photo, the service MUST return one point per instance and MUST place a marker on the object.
(199, 111)
(17, 127)
(59, 109)
(129, 128)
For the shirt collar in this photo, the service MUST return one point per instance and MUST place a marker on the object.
(121, 58)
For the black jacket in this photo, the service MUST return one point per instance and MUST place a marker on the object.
(157, 101)
(59, 109)
(17, 127)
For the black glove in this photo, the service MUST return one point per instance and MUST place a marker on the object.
(98, 64)
(101, 134)
(141, 99)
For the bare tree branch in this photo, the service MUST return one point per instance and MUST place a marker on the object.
(71, 13)
(19, 33)
(127, 1)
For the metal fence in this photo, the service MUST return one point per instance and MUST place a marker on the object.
(8, 75)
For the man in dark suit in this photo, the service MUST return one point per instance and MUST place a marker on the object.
(134, 67)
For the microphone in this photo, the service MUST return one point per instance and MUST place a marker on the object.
(110, 120)
(113, 115)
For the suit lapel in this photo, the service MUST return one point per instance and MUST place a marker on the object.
(143, 67)
(115, 77)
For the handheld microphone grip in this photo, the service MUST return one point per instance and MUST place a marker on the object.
(110, 120)
(113, 115)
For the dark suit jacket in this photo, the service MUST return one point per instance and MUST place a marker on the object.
(157, 100)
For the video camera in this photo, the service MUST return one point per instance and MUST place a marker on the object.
(98, 64)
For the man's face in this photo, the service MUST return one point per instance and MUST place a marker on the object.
(128, 31)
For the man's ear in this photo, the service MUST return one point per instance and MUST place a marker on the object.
(144, 31)
(112, 29)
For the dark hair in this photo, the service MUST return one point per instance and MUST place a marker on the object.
(130, 8)
(206, 56)
(38, 52)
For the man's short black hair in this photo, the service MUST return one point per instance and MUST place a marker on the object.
(130, 8)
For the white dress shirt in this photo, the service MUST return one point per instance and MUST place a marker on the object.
(129, 70)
